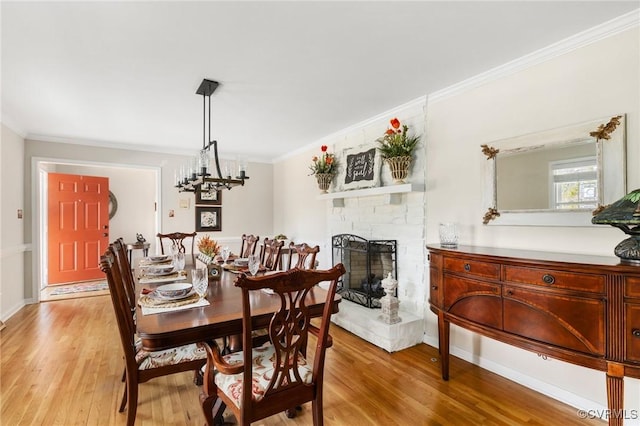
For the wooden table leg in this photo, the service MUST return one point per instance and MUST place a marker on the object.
(443, 344)
(615, 393)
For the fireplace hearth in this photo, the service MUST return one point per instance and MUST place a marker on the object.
(367, 263)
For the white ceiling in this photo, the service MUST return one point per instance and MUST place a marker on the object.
(125, 73)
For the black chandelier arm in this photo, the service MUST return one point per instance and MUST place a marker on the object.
(215, 157)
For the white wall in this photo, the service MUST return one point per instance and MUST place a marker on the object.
(598, 80)
(11, 227)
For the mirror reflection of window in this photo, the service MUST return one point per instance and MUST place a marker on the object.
(574, 183)
(524, 180)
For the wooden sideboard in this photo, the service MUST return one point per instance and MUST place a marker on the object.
(577, 308)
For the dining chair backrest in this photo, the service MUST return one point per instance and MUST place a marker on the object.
(177, 241)
(280, 375)
(140, 365)
(249, 244)
(304, 254)
(122, 260)
(271, 254)
(125, 319)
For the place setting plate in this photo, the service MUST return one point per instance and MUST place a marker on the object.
(170, 295)
(154, 260)
(158, 271)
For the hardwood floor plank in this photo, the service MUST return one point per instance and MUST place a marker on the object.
(61, 364)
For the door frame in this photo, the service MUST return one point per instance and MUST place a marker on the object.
(39, 253)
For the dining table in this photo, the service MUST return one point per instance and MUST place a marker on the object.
(220, 318)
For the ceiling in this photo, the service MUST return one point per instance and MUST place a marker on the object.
(125, 73)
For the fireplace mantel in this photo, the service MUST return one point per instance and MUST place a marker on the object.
(393, 192)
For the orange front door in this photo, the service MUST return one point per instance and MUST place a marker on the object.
(78, 219)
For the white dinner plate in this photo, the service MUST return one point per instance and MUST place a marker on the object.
(160, 272)
(158, 258)
(157, 296)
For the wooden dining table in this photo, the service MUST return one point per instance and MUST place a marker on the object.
(221, 318)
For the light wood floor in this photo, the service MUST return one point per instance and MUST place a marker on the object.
(61, 365)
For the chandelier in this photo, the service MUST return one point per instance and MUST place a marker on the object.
(196, 175)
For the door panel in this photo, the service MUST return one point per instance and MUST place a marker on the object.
(78, 226)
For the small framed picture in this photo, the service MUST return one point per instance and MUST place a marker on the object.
(208, 219)
(213, 198)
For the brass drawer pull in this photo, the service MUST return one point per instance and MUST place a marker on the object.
(467, 267)
(509, 292)
(548, 279)
(635, 332)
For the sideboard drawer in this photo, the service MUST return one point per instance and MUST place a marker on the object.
(632, 287)
(555, 279)
(632, 332)
(472, 267)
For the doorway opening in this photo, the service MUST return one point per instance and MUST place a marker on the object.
(137, 192)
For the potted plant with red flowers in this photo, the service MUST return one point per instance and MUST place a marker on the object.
(396, 148)
(323, 167)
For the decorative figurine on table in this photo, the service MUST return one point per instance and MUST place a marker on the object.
(140, 238)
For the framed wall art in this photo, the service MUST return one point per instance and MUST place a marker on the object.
(208, 219)
(361, 168)
(213, 198)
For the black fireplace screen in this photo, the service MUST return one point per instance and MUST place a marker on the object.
(367, 262)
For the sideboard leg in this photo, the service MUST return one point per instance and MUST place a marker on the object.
(615, 393)
(443, 345)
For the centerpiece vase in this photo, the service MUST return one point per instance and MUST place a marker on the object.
(399, 167)
(324, 181)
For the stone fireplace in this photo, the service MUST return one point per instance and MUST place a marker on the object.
(367, 263)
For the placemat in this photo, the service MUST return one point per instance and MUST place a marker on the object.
(148, 301)
(148, 310)
(145, 263)
(176, 276)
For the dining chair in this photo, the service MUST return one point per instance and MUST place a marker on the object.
(280, 375)
(142, 365)
(271, 254)
(122, 260)
(249, 245)
(177, 240)
(305, 256)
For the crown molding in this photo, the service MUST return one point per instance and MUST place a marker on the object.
(10, 124)
(325, 140)
(185, 152)
(600, 32)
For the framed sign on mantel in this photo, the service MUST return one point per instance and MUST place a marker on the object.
(362, 168)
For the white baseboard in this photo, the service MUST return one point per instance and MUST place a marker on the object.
(12, 311)
(530, 382)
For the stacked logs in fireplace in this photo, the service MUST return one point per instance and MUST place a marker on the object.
(367, 263)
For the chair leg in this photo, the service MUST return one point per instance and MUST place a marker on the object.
(123, 403)
(197, 377)
(132, 401)
(316, 407)
(213, 408)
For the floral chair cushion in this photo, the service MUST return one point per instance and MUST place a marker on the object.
(263, 368)
(153, 359)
